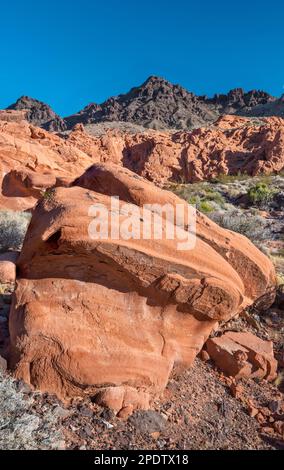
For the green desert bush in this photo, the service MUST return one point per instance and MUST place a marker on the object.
(205, 207)
(203, 196)
(13, 227)
(261, 194)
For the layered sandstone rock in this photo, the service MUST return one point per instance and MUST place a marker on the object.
(33, 160)
(243, 355)
(233, 145)
(113, 317)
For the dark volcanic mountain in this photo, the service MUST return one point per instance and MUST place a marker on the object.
(271, 108)
(239, 102)
(157, 104)
(39, 114)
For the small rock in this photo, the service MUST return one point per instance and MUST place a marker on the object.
(204, 356)
(86, 411)
(252, 411)
(237, 390)
(23, 387)
(268, 430)
(61, 412)
(260, 418)
(274, 406)
(279, 427)
(265, 411)
(148, 421)
(107, 414)
(125, 412)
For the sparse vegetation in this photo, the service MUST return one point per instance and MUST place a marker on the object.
(203, 196)
(261, 194)
(13, 227)
(224, 179)
(22, 427)
(252, 226)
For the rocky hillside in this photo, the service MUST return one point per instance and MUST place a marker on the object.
(271, 108)
(156, 104)
(238, 101)
(39, 114)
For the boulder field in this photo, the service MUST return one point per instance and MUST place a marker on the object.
(112, 318)
(33, 160)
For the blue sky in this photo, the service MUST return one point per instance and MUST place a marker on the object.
(70, 53)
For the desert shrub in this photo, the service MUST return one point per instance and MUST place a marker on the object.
(13, 227)
(252, 226)
(205, 207)
(21, 426)
(260, 194)
(201, 195)
(214, 196)
(230, 178)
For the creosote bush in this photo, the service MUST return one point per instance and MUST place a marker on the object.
(260, 194)
(13, 227)
(252, 226)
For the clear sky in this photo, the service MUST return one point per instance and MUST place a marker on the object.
(69, 53)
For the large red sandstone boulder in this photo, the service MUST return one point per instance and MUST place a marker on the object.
(243, 355)
(113, 317)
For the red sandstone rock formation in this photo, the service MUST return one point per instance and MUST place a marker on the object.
(243, 355)
(32, 160)
(113, 317)
(8, 267)
(233, 145)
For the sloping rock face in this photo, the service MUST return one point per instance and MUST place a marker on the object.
(39, 114)
(112, 317)
(233, 145)
(33, 160)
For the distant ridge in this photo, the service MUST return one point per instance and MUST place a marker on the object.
(157, 104)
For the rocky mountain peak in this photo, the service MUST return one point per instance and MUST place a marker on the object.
(39, 113)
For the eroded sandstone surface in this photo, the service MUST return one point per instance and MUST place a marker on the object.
(233, 145)
(112, 318)
(33, 160)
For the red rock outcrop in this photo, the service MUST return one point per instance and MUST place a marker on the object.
(8, 267)
(233, 145)
(33, 160)
(243, 355)
(113, 317)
